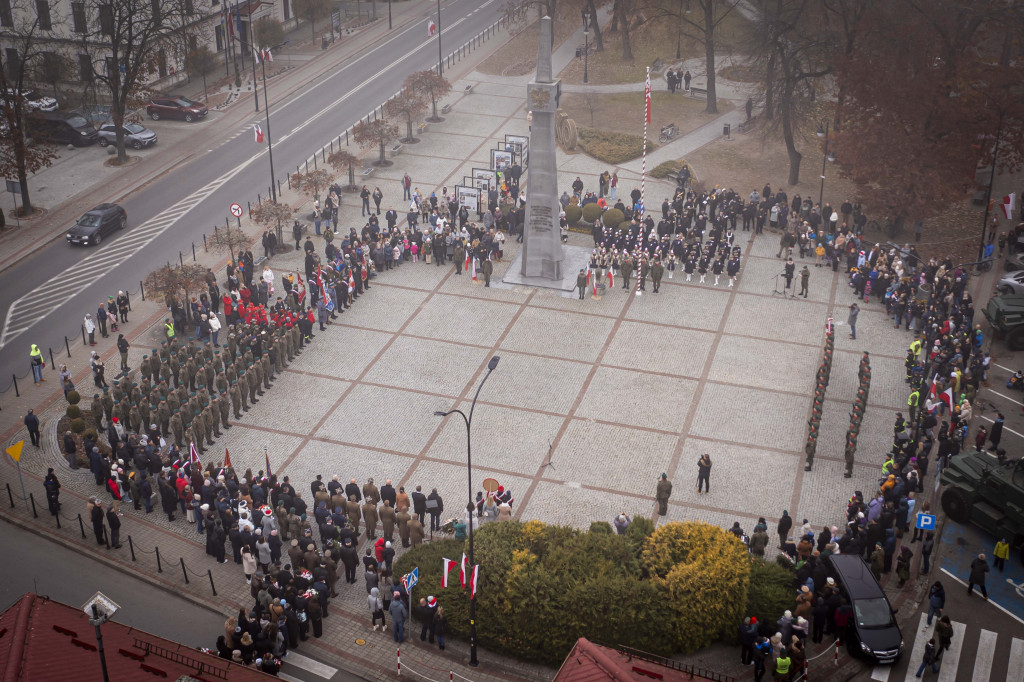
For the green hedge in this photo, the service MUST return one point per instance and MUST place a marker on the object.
(595, 584)
(771, 591)
(611, 147)
(591, 212)
(612, 217)
(573, 214)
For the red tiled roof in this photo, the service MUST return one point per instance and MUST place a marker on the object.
(589, 662)
(43, 641)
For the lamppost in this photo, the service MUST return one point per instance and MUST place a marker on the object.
(389, 15)
(266, 111)
(827, 157)
(679, 29)
(100, 609)
(469, 521)
(440, 68)
(587, 18)
(252, 46)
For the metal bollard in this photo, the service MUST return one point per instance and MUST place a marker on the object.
(248, 206)
(193, 251)
(85, 341)
(307, 165)
(142, 290)
(17, 394)
(332, 147)
(259, 200)
(57, 516)
(51, 358)
(181, 259)
(209, 573)
(278, 194)
(67, 346)
(346, 138)
(314, 162)
(32, 499)
(183, 571)
(131, 547)
(159, 568)
(288, 177)
(81, 526)
(129, 297)
(205, 247)
(10, 495)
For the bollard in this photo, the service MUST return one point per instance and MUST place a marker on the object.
(183, 571)
(278, 194)
(129, 297)
(131, 547)
(239, 222)
(14, 377)
(307, 165)
(205, 247)
(142, 290)
(159, 568)
(314, 162)
(332, 147)
(85, 341)
(193, 251)
(258, 199)
(10, 495)
(288, 177)
(67, 345)
(181, 259)
(248, 206)
(51, 358)
(346, 138)
(32, 499)
(81, 526)
(209, 574)
(57, 516)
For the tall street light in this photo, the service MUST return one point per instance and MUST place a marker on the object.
(440, 68)
(100, 609)
(587, 19)
(827, 157)
(469, 521)
(266, 111)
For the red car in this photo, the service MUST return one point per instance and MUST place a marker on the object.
(175, 106)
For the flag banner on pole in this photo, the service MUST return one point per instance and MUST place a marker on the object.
(593, 285)
(193, 455)
(267, 456)
(259, 133)
(1009, 204)
(446, 566)
(611, 278)
(472, 586)
(257, 55)
(647, 97)
(473, 265)
(351, 282)
(466, 266)
(431, 28)
(227, 458)
(268, 55)
(462, 568)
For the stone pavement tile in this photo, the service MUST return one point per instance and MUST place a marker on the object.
(384, 308)
(610, 304)
(684, 512)
(734, 483)
(576, 337)
(431, 159)
(425, 365)
(376, 416)
(346, 356)
(752, 416)
(627, 456)
(313, 399)
(492, 106)
(674, 351)
(536, 383)
(475, 116)
(463, 285)
(764, 246)
(821, 488)
(687, 305)
(638, 399)
(888, 386)
(462, 320)
(874, 329)
(451, 482)
(345, 461)
(418, 275)
(787, 320)
(765, 364)
(246, 446)
(580, 506)
(758, 277)
(504, 438)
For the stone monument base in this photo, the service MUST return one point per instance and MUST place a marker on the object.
(576, 257)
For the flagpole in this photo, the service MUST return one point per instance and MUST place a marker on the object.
(440, 69)
(252, 46)
(643, 177)
(270, 147)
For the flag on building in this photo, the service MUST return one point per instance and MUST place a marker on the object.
(1009, 204)
(193, 456)
(472, 585)
(462, 568)
(446, 566)
(431, 28)
(227, 24)
(259, 133)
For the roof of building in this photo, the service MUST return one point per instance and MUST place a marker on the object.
(43, 640)
(589, 662)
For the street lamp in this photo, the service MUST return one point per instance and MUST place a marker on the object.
(266, 111)
(587, 18)
(469, 521)
(100, 609)
(440, 67)
(679, 29)
(827, 157)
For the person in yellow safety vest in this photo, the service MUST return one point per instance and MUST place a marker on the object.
(899, 428)
(890, 465)
(169, 328)
(38, 363)
(912, 402)
(782, 665)
(915, 347)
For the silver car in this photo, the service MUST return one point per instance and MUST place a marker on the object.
(135, 136)
(1011, 283)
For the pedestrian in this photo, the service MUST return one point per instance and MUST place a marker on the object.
(926, 552)
(427, 610)
(762, 650)
(621, 523)
(37, 362)
(122, 305)
(1001, 554)
(979, 567)
(101, 319)
(929, 658)
(686, 80)
(748, 636)
(944, 631)
(440, 627)
(664, 491)
(376, 609)
(95, 510)
(995, 434)
(852, 320)
(90, 328)
(66, 384)
(805, 277)
(398, 615)
(936, 600)
(581, 282)
(704, 473)
(32, 424)
(122, 348)
(113, 512)
(785, 525)
(782, 665)
(52, 486)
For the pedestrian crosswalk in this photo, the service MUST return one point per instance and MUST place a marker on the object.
(307, 664)
(988, 656)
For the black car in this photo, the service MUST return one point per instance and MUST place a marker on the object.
(96, 224)
(872, 631)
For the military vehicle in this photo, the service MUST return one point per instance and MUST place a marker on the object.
(981, 490)
(1006, 315)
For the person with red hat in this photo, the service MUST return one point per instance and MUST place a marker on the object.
(426, 611)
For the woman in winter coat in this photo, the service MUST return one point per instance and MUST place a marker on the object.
(376, 606)
(168, 498)
(248, 564)
(315, 614)
(263, 553)
(804, 603)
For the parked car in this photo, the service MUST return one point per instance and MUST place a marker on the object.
(1011, 283)
(176, 106)
(61, 127)
(34, 101)
(102, 220)
(872, 631)
(135, 135)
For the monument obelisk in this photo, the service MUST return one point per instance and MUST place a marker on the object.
(542, 244)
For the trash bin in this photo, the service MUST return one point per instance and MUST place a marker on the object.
(323, 43)
(726, 130)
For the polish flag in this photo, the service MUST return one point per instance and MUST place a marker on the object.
(431, 28)
(268, 55)
(466, 266)
(446, 566)
(351, 281)
(473, 265)
(947, 397)
(593, 286)
(1009, 204)
(227, 459)
(472, 586)
(462, 569)
(193, 455)
(259, 133)
(611, 278)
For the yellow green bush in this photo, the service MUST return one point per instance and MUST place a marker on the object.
(612, 217)
(573, 213)
(591, 212)
(611, 147)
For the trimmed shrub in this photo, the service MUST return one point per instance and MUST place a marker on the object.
(666, 168)
(611, 147)
(591, 212)
(771, 591)
(573, 213)
(74, 412)
(77, 426)
(625, 225)
(612, 217)
(74, 398)
(602, 527)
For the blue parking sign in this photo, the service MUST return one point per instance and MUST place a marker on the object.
(925, 521)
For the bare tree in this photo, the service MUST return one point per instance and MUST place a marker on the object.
(311, 11)
(230, 239)
(269, 215)
(343, 160)
(176, 283)
(410, 105)
(268, 32)
(708, 15)
(200, 62)
(376, 133)
(313, 182)
(431, 84)
(53, 69)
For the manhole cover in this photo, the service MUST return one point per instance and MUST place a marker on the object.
(360, 641)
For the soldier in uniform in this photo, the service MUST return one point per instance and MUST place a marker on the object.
(211, 420)
(657, 271)
(581, 282)
(108, 404)
(387, 520)
(163, 417)
(851, 448)
(198, 432)
(236, 399)
(403, 526)
(257, 369)
(224, 408)
(265, 363)
(627, 270)
(96, 410)
(353, 512)
(415, 531)
(370, 518)
(177, 427)
(487, 267)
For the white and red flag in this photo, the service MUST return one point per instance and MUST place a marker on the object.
(446, 566)
(472, 586)
(611, 278)
(431, 28)
(462, 569)
(193, 455)
(1009, 204)
(259, 133)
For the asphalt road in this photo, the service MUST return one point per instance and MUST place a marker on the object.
(47, 295)
(53, 570)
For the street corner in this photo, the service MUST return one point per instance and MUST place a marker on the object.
(962, 544)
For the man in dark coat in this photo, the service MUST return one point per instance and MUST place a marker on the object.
(419, 503)
(32, 424)
(168, 497)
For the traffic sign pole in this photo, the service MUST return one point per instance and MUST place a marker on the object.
(15, 452)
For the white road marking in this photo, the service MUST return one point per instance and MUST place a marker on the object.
(951, 658)
(1005, 428)
(1006, 397)
(1015, 666)
(309, 665)
(983, 658)
(920, 640)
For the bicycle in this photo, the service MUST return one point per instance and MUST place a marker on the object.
(668, 133)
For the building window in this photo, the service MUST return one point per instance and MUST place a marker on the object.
(43, 11)
(80, 25)
(107, 19)
(6, 16)
(85, 68)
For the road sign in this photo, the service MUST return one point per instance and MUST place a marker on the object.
(411, 578)
(236, 210)
(925, 521)
(15, 450)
